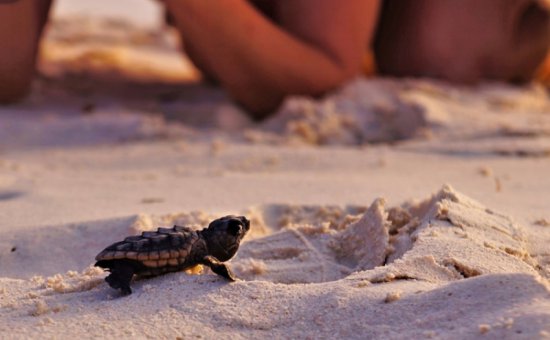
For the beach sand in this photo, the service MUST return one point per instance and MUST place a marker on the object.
(389, 209)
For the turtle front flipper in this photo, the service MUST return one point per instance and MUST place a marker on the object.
(218, 267)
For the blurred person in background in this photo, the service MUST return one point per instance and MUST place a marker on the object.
(263, 50)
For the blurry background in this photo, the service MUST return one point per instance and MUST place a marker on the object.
(140, 12)
(112, 40)
(120, 55)
(149, 14)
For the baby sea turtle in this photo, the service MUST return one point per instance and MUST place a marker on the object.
(173, 249)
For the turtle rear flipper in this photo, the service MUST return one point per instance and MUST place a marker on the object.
(121, 276)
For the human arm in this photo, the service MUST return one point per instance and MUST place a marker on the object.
(313, 47)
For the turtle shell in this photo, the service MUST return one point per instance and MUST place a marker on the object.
(166, 247)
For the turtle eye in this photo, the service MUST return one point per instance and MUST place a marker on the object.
(234, 227)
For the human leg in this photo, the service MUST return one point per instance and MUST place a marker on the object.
(462, 40)
(21, 24)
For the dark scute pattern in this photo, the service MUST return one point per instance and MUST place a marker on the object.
(124, 246)
(181, 229)
(162, 239)
(115, 246)
(132, 238)
(141, 244)
(165, 230)
(175, 239)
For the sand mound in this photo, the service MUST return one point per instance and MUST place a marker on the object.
(411, 262)
(444, 238)
(384, 110)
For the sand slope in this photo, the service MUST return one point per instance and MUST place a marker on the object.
(466, 272)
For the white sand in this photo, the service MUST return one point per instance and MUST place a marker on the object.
(348, 239)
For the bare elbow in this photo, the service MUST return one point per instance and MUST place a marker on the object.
(261, 99)
(259, 102)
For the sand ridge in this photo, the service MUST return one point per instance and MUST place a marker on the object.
(457, 240)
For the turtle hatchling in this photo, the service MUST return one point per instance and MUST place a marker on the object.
(173, 249)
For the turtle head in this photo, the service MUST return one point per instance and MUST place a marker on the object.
(224, 235)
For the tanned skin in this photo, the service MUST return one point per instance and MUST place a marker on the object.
(264, 50)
